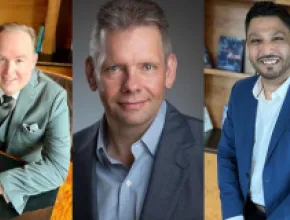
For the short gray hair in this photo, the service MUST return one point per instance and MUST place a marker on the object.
(17, 26)
(123, 14)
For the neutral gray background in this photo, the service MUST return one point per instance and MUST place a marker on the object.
(187, 35)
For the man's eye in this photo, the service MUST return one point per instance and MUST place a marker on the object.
(255, 41)
(113, 68)
(148, 67)
(278, 39)
(19, 61)
(2, 59)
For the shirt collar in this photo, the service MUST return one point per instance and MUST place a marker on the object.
(150, 138)
(281, 92)
(14, 96)
(152, 135)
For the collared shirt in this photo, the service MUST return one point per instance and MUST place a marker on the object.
(121, 191)
(267, 115)
(14, 96)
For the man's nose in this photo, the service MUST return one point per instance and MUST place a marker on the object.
(266, 48)
(131, 82)
(9, 68)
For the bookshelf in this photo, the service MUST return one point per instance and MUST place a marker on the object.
(56, 16)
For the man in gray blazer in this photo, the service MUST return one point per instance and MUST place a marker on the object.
(34, 120)
(143, 159)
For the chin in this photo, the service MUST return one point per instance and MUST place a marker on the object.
(134, 120)
(270, 76)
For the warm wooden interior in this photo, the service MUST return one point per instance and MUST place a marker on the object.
(64, 71)
(217, 92)
(28, 12)
(64, 25)
(63, 205)
(212, 206)
(56, 15)
(223, 17)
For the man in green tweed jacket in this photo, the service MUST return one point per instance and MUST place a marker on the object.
(34, 120)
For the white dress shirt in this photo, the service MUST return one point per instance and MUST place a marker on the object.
(267, 115)
(14, 96)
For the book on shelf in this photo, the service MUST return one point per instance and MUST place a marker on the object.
(230, 54)
(40, 39)
(206, 59)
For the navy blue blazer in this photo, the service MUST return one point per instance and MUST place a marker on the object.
(175, 191)
(235, 153)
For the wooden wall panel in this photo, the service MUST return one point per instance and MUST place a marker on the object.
(217, 92)
(28, 12)
(50, 26)
(212, 205)
(64, 26)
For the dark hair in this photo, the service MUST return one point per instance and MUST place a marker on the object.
(265, 9)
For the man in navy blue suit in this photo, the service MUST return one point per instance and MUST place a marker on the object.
(254, 150)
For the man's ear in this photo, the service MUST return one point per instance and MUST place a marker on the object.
(171, 70)
(35, 58)
(91, 78)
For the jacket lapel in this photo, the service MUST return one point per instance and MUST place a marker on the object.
(170, 168)
(88, 173)
(282, 122)
(26, 97)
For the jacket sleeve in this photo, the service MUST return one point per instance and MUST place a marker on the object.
(50, 172)
(228, 180)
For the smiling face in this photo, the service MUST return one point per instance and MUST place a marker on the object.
(17, 60)
(134, 75)
(268, 41)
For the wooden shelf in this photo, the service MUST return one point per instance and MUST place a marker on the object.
(63, 71)
(44, 63)
(224, 73)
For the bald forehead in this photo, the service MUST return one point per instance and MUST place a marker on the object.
(18, 38)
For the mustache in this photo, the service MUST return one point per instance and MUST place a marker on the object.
(269, 57)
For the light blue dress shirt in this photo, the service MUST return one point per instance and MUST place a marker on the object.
(121, 191)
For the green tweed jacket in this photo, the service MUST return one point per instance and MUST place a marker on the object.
(39, 133)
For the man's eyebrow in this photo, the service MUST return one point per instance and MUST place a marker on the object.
(21, 56)
(279, 32)
(252, 35)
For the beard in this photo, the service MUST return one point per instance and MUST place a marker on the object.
(271, 72)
